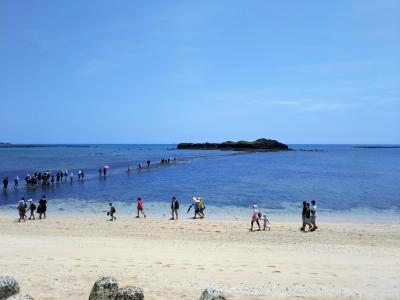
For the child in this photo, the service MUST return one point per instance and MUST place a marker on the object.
(266, 222)
(112, 212)
(140, 207)
(32, 208)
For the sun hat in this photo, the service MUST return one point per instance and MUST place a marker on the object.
(196, 199)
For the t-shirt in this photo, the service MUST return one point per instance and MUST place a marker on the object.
(254, 217)
(314, 210)
(140, 205)
(304, 211)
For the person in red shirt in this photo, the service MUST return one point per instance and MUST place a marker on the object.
(140, 207)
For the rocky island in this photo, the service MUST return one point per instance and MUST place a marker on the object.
(257, 145)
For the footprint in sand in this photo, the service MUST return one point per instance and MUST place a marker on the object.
(276, 271)
(271, 266)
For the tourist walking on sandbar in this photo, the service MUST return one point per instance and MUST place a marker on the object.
(41, 210)
(5, 184)
(140, 207)
(16, 182)
(254, 218)
(31, 208)
(148, 164)
(313, 211)
(174, 208)
(111, 212)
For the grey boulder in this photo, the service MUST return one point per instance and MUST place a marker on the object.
(8, 287)
(130, 293)
(211, 294)
(105, 288)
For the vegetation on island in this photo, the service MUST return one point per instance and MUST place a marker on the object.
(258, 145)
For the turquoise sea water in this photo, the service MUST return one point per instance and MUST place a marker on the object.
(341, 178)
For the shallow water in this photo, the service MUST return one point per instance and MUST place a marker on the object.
(341, 178)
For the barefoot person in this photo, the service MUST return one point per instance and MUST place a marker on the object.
(111, 212)
(313, 215)
(174, 208)
(140, 207)
(254, 218)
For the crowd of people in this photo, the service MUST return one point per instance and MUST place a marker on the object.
(309, 212)
(45, 178)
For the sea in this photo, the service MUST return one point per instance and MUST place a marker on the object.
(349, 183)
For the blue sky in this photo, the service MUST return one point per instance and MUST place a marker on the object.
(174, 71)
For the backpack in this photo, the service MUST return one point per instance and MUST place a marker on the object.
(176, 204)
(113, 209)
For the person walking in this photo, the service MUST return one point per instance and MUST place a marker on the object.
(174, 208)
(111, 212)
(71, 176)
(313, 211)
(31, 207)
(254, 218)
(16, 182)
(5, 184)
(303, 216)
(140, 207)
(41, 210)
(22, 209)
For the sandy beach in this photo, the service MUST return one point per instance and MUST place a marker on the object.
(61, 257)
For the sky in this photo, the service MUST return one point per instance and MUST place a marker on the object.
(196, 71)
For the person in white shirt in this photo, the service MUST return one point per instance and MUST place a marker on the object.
(313, 215)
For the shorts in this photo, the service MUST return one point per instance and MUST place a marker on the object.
(313, 218)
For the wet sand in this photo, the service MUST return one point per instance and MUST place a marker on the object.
(61, 257)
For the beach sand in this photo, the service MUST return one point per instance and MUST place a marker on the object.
(62, 256)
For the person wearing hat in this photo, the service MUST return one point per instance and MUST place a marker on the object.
(32, 208)
(254, 218)
(22, 209)
(174, 208)
(197, 209)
